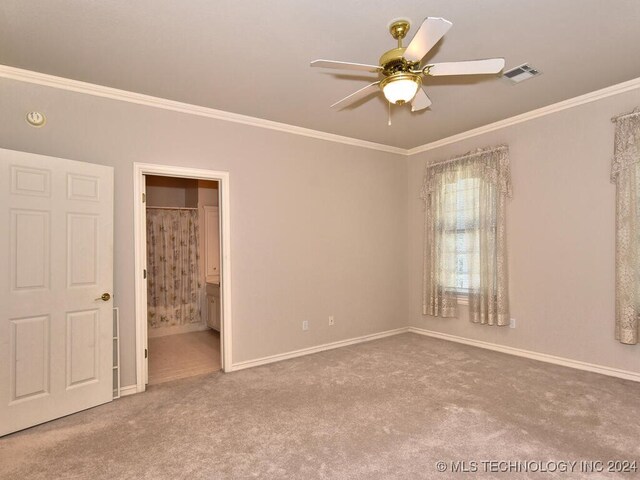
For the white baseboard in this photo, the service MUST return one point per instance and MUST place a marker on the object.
(318, 348)
(543, 357)
(128, 390)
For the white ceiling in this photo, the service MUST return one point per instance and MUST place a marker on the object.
(253, 57)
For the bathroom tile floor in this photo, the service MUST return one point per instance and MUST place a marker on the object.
(183, 355)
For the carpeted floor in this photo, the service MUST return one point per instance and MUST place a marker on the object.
(387, 409)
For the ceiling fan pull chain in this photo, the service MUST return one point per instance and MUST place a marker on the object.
(389, 123)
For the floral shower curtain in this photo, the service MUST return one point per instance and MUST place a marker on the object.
(173, 286)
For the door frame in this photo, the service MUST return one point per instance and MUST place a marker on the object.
(140, 170)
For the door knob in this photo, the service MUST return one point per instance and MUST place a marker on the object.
(105, 297)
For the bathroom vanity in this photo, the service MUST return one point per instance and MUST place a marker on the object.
(213, 305)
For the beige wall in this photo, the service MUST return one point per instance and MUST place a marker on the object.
(317, 228)
(320, 228)
(560, 235)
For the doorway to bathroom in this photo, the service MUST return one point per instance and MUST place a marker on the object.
(183, 277)
(182, 300)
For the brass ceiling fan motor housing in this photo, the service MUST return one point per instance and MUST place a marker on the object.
(393, 61)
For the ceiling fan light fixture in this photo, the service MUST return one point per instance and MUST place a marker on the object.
(400, 69)
(400, 88)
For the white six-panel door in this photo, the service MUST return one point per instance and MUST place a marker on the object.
(56, 261)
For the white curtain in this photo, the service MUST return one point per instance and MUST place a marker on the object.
(625, 173)
(173, 285)
(465, 249)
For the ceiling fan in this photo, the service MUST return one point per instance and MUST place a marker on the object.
(401, 68)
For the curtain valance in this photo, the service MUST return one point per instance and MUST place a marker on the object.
(490, 164)
(627, 142)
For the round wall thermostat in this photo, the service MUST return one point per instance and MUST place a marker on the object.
(36, 119)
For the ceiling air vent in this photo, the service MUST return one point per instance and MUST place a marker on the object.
(521, 73)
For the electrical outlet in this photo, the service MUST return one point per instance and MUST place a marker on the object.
(512, 323)
(305, 325)
(331, 320)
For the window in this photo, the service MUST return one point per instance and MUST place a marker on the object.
(461, 222)
(464, 236)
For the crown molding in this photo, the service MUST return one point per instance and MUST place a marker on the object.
(539, 112)
(77, 86)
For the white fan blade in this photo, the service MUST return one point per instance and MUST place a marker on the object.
(345, 65)
(471, 67)
(354, 97)
(420, 101)
(431, 30)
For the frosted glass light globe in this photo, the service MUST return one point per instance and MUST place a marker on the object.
(400, 88)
